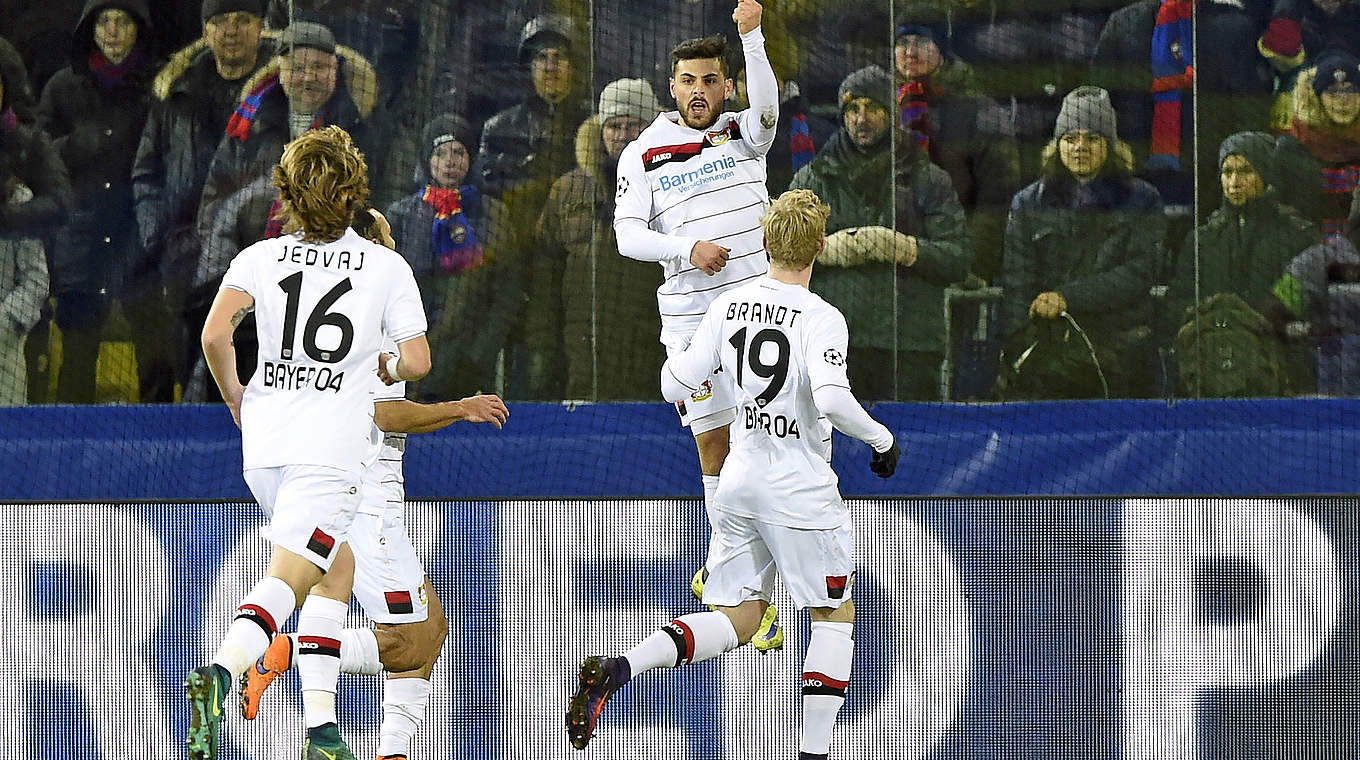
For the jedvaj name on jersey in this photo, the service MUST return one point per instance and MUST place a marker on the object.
(326, 257)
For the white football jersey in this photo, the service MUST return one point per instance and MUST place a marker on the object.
(321, 313)
(697, 185)
(384, 480)
(779, 343)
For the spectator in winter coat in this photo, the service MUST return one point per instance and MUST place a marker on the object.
(526, 147)
(531, 142)
(1320, 157)
(1248, 241)
(313, 82)
(1082, 242)
(196, 93)
(964, 133)
(458, 240)
(35, 195)
(94, 111)
(867, 258)
(596, 305)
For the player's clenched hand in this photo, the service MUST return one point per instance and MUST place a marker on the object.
(382, 370)
(485, 408)
(884, 463)
(708, 257)
(747, 15)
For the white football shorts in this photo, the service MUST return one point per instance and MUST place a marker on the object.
(389, 579)
(816, 564)
(310, 508)
(711, 407)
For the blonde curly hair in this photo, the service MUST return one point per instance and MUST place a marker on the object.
(322, 180)
(795, 227)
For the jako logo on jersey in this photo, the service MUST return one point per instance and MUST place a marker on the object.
(708, 171)
(704, 393)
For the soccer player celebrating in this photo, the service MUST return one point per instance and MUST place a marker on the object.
(389, 580)
(777, 506)
(690, 195)
(324, 300)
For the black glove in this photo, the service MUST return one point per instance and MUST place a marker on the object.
(885, 464)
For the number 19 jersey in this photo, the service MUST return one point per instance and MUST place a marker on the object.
(321, 313)
(779, 343)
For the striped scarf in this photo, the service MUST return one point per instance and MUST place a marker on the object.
(1173, 70)
(800, 142)
(455, 244)
(913, 99)
(110, 75)
(1338, 185)
(244, 117)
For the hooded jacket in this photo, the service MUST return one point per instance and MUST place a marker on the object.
(96, 131)
(860, 189)
(469, 313)
(172, 161)
(238, 162)
(597, 304)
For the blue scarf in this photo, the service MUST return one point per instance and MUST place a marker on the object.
(454, 242)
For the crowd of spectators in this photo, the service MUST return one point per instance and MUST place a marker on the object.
(1032, 199)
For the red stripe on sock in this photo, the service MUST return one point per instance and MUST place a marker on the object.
(324, 641)
(826, 680)
(260, 613)
(689, 639)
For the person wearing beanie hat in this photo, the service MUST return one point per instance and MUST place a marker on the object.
(595, 308)
(456, 237)
(1319, 159)
(915, 239)
(1082, 243)
(964, 132)
(529, 143)
(1248, 241)
(921, 41)
(196, 93)
(94, 110)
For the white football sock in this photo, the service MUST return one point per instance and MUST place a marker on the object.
(404, 703)
(318, 660)
(261, 612)
(826, 673)
(689, 638)
(359, 652)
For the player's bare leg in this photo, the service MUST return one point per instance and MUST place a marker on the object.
(713, 446)
(687, 639)
(826, 673)
(406, 695)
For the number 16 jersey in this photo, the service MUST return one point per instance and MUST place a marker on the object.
(321, 312)
(779, 343)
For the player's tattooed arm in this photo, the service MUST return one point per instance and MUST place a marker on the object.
(239, 316)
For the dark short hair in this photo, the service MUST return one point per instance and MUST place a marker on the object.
(714, 46)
